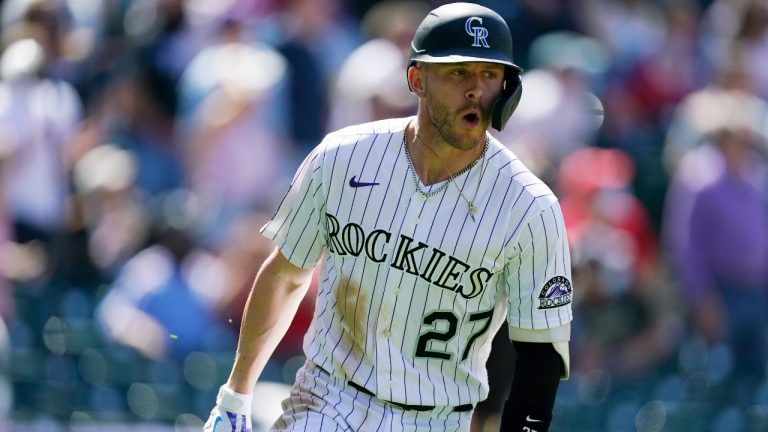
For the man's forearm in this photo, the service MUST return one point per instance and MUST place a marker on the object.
(271, 306)
(538, 368)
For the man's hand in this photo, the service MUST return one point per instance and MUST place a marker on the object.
(232, 413)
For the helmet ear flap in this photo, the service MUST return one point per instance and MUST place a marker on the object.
(510, 98)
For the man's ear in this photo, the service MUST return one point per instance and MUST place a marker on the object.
(416, 80)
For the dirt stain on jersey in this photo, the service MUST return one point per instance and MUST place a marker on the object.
(351, 307)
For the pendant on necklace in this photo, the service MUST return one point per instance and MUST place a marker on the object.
(472, 211)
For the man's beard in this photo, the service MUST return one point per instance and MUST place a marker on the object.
(446, 124)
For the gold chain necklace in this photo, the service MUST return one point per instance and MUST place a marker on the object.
(471, 208)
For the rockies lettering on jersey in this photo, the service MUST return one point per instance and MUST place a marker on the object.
(411, 288)
(452, 270)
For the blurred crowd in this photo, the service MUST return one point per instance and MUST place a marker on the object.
(143, 143)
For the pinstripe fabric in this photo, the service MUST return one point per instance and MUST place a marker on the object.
(412, 290)
(319, 402)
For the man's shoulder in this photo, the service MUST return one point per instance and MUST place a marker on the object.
(370, 129)
(510, 167)
(375, 136)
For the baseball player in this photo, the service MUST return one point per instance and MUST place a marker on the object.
(428, 233)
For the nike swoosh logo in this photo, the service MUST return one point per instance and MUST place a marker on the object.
(532, 420)
(416, 50)
(356, 184)
(216, 423)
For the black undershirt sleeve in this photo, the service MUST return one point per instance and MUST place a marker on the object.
(538, 368)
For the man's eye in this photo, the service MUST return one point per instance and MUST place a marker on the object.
(491, 75)
(458, 72)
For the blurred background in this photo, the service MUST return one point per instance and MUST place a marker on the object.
(144, 142)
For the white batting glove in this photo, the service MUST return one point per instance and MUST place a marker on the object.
(232, 413)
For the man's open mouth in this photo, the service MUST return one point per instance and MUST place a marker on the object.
(471, 119)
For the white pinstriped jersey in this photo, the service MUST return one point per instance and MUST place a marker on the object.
(412, 290)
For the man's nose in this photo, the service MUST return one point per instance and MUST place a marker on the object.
(475, 92)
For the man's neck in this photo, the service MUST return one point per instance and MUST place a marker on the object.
(433, 158)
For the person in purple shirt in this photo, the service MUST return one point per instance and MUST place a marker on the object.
(723, 252)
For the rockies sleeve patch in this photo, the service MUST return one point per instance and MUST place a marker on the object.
(556, 292)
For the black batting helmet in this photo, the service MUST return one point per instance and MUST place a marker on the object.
(467, 32)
